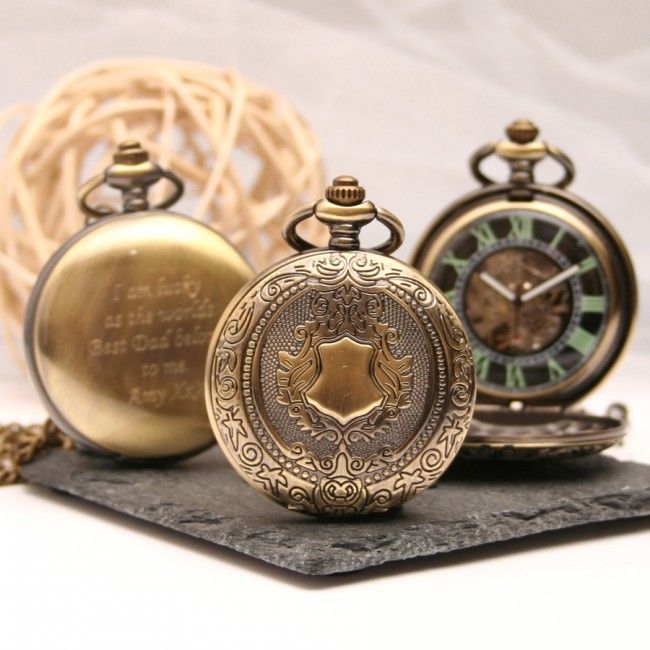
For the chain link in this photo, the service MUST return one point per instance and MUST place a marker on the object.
(19, 444)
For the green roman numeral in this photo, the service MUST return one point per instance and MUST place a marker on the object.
(588, 264)
(555, 242)
(450, 259)
(593, 304)
(515, 377)
(521, 227)
(484, 235)
(482, 364)
(582, 341)
(555, 370)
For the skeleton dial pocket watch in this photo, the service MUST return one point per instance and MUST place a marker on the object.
(120, 319)
(546, 291)
(340, 381)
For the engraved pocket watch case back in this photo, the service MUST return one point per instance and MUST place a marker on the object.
(340, 382)
(120, 320)
(546, 290)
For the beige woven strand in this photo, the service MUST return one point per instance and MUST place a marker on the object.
(247, 158)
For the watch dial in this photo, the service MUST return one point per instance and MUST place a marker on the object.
(532, 295)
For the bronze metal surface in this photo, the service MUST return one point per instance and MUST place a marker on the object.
(118, 326)
(512, 325)
(340, 382)
(536, 435)
(521, 151)
(19, 445)
(132, 173)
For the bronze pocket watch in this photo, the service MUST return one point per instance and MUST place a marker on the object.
(340, 382)
(546, 290)
(120, 319)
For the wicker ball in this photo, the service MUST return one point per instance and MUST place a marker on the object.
(245, 154)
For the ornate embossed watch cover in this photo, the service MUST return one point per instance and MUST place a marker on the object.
(340, 382)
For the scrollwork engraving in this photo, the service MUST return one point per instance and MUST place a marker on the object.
(344, 379)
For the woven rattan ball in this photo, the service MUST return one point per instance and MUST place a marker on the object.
(245, 154)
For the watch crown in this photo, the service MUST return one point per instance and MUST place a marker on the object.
(130, 153)
(522, 131)
(345, 190)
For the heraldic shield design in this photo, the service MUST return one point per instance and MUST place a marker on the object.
(345, 383)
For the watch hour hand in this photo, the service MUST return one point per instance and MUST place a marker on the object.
(498, 286)
(550, 283)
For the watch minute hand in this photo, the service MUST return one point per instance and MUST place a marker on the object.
(550, 283)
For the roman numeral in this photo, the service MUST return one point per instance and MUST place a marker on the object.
(582, 341)
(484, 235)
(458, 263)
(555, 242)
(482, 364)
(515, 377)
(521, 227)
(593, 304)
(555, 370)
(588, 264)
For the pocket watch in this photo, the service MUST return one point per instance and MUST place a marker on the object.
(340, 381)
(120, 319)
(546, 290)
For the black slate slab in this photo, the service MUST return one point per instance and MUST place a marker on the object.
(476, 503)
